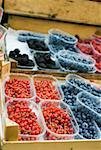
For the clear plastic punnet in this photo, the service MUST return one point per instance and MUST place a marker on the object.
(50, 135)
(91, 104)
(66, 37)
(24, 35)
(58, 40)
(54, 83)
(96, 49)
(1, 13)
(84, 84)
(45, 61)
(20, 77)
(37, 43)
(3, 32)
(24, 134)
(85, 48)
(96, 37)
(97, 132)
(74, 62)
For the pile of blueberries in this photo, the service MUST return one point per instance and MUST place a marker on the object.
(87, 127)
(64, 37)
(57, 42)
(68, 65)
(73, 61)
(84, 85)
(90, 101)
(45, 61)
(70, 94)
(84, 115)
(24, 37)
(75, 58)
(23, 60)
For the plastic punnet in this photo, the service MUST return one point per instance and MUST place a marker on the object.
(71, 61)
(91, 104)
(55, 83)
(58, 40)
(84, 84)
(51, 135)
(34, 108)
(42, 53)
(20, 77)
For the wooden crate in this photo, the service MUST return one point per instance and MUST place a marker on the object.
(80, 11)
(1, 1)
(59, 75)
(43, 25)
(66, 145)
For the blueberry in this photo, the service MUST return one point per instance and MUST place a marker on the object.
(75, 62)
(81, 83)
(92, 104)
(85, 125)
(70, 93)
(87, 128)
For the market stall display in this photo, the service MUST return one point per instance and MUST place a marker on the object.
(58, 46)
(57, 110)
(38, 51)
(25, 114)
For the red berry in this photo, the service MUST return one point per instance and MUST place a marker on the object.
(57, 120)
(46, 89)
(18, 88)
(19, 112)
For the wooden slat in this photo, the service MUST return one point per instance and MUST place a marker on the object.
(59, 75)
(1, 2)
(83, 11)
(59, 145)
(41, 25)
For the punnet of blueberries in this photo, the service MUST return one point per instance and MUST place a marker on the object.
(55, 45)
(74, 61)
(22, 59)
(58, 40)
(84, 84)
(62, 36)
(45, 61)
(88, 129)
(73, 49)
(70, 93)
(91, 104)
(25, 36)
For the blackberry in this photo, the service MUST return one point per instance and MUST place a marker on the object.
(44, 61)
(37, 44)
